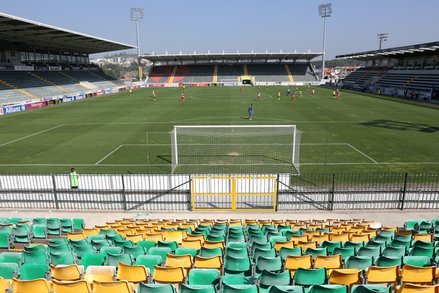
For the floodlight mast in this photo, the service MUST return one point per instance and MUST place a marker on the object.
(137, 15)
(382, 37)
(325, 11)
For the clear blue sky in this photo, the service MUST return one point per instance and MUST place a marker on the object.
(243, 25)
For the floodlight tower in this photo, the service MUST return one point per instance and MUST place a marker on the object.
(382, 37)
(137, 15)
(325, 11)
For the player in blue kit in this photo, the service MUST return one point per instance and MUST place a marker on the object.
(250, 112)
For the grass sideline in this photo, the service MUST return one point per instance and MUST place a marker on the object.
(107, 134)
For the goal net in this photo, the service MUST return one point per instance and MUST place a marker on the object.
(214, 149)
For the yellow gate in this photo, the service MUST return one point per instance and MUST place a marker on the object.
(234, 192)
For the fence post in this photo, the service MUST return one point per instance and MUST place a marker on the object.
(331, 201)
(403, 191)
(189, 202)
(55, 195)
(276, 203)
(124, 199)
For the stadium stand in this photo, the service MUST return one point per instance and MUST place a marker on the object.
(117, 264)
(410, 72)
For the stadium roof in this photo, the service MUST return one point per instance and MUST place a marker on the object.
(426, 48)
(24, 34)
(231, 56)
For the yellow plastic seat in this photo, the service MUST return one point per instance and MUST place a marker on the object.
(153, 236)
(293, 262)
(196, 237)
(100, 273)
(320, 238)
(80, 286)
(90, 231)
(359, 237)
(132, 274)
(112, 287)
(214, 262)
(184, 261)
(209, 244)
(76, 236)
(296, 238)
(191, 243)
(286, 244)
(3, 285)
(66, 273)
(340, 237)
(329, 262)
(176, 236)
(413, 288)
(382, 275)
(423, 237)
(418, 275)
(307, 244)
(34, 286)
(169, 275)
(345, 277)
(134, 237)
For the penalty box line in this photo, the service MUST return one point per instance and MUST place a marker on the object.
(31, 135)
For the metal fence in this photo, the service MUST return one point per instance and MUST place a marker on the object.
(175, 192)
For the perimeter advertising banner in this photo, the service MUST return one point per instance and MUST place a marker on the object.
(36, 105)
(14, 109)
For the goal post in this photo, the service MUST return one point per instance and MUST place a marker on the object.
(210, 149)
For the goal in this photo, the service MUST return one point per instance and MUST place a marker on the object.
(210, 149)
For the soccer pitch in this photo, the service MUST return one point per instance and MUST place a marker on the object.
(123, 133)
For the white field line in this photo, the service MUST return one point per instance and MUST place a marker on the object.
(112, 152)
(30, 135)
(354, 148)
(164, 165)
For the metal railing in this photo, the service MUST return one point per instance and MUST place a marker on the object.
(173, 192)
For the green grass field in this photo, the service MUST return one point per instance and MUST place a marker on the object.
(108, 134)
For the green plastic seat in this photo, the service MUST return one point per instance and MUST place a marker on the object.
(216, 237)
(81, 250)
(21, 235)
(66, 225)
(286, 251)
(63, 258)
(34, 257)
(383, 238)
(39, 231)
(113, 238)
(53, 226)
(147, 244)
(114, 259)
(309, 277)
(58, 241)
(184, 288)
(359, 262)
(410, 224)
(6, 240)
(8, 270)
(210, 252)
(161, 251)
(237, 252)
(92, 260)
(123, 243)
(274, 239)
(78, 224)
(374, 252)
(168, 244)
(135, 251)
(418, 261)
(403, 237)
(33, 271)
(400, 243)
(257, 238)
(331, 245)
(111, 249)
(356, 244)
(62, 248)
(240, 288)
(394, 251)
(81, 242)
(267, 279)
(183, 251)
(345, 252)
(263, 252)
(286, 289)
(371, 289)
(423, 244)
(389, 261)
(422, 251)
(233, 238)
(266, 245)
(149, 261)
(204, 277)
(237, 265)
(156, 288)
(36, 248)
(387, 233)
(236, 245)
(329, 289)
(314, 252)
(376, 243)
(99, 244)
(108, 232)
(39, 221)
(11, 257)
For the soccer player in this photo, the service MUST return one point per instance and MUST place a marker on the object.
(334, 93)
(184, 87)
(293, 97)
(300, 93)
(338, 95)
(250, 112)
(313, 92)
(241, 90)
(278, 95)
(259, 96)
(288, 91)
(182, 97)
(308, 87)
(153, 95)
(131, 91)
